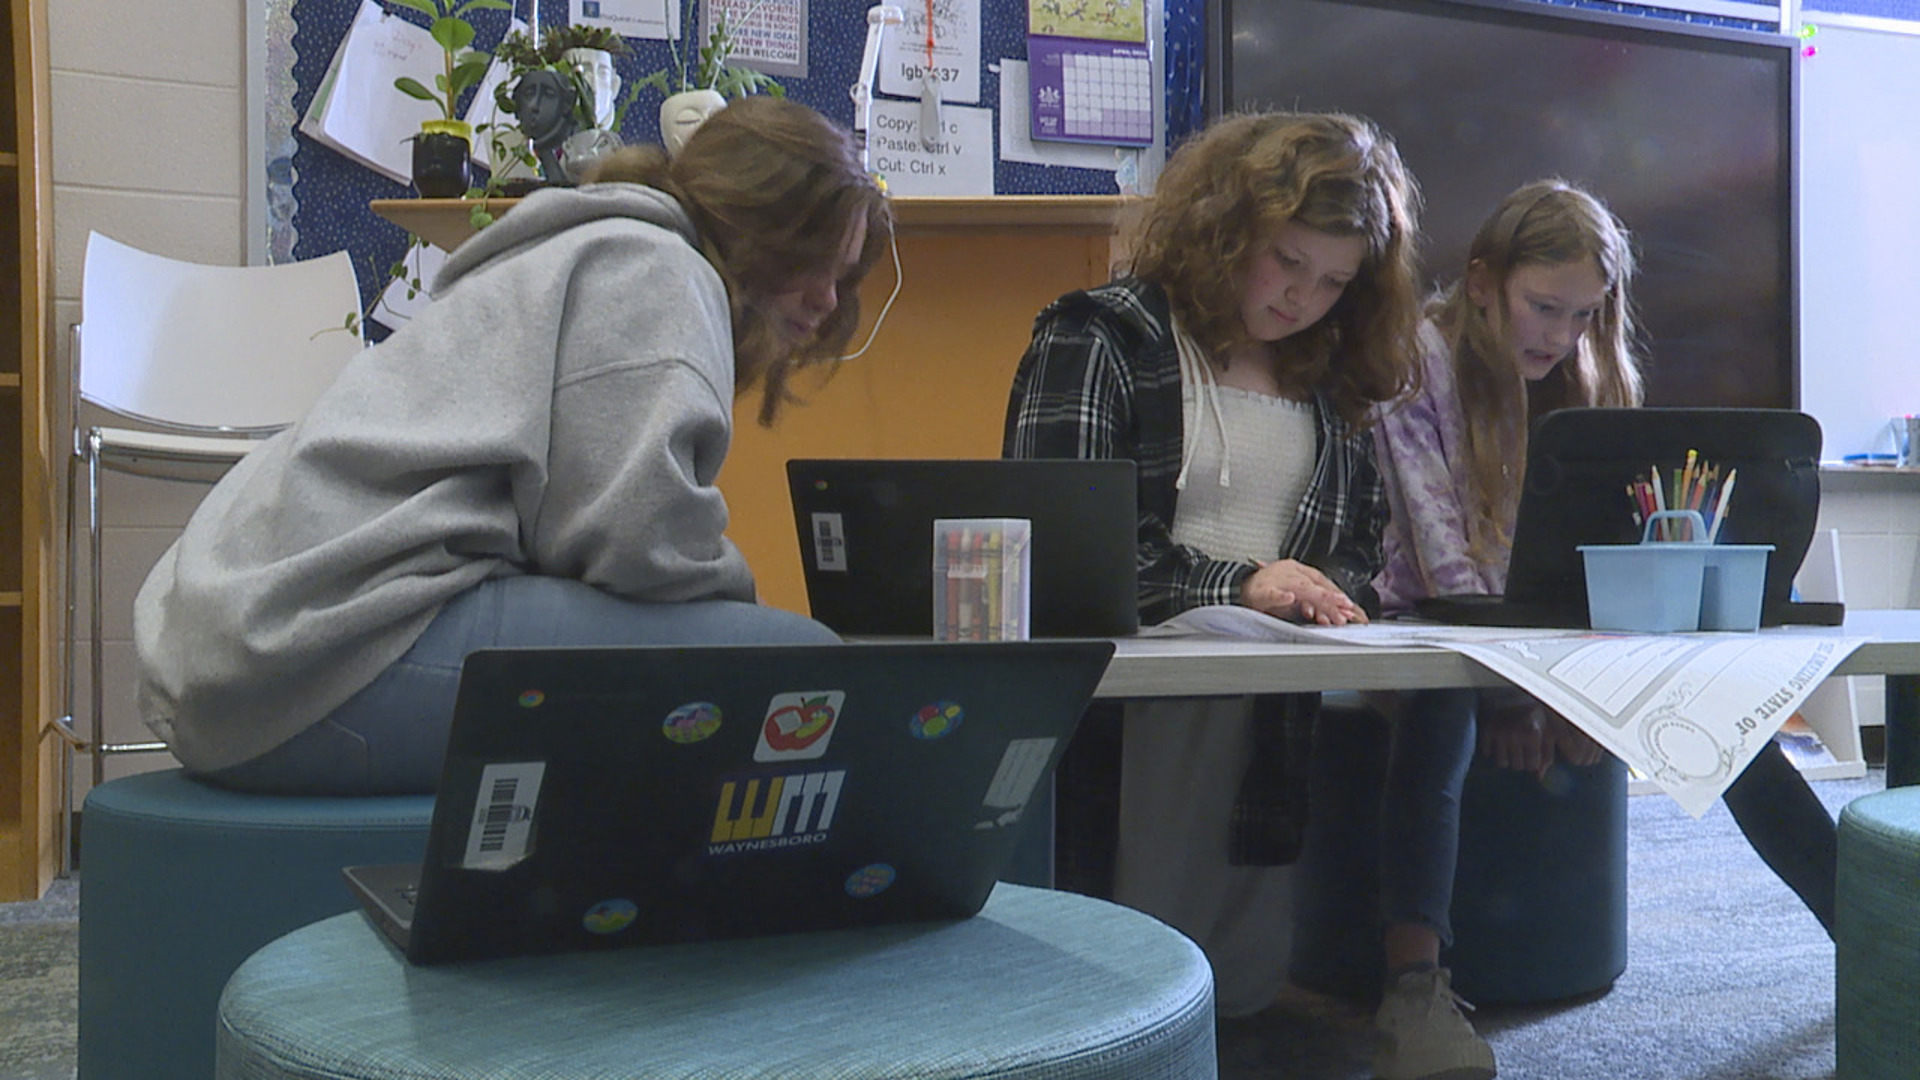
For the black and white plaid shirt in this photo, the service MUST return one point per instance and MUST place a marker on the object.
(1101, 379)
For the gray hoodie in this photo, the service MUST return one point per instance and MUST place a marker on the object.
(561, 408)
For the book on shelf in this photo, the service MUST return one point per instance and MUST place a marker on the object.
(1803, 745)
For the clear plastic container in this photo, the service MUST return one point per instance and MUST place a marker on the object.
(981, 590)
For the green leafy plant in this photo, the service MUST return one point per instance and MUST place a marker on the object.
(464, 65)
(708, 69)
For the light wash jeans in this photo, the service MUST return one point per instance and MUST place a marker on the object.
(389, 738)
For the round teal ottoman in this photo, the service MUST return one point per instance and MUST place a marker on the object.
(1040, 984)
(1876, 1011)
(181, 881)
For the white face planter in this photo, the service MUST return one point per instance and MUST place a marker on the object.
(595, 69)
(681, 114)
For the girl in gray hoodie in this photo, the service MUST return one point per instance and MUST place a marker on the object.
(531, 461)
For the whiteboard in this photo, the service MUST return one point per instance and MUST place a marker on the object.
(1859, 234)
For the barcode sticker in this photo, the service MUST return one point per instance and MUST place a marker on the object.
(501, 834)
(829, 543)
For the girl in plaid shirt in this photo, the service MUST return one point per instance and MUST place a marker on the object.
(1270, 308)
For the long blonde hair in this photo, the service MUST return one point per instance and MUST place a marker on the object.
(772, 187)
(1544, 223)
(1233, 186)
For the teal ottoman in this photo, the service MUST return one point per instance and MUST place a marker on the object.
(181, 881)
(1540, 886)
(1040, 984)
(1876, 1009)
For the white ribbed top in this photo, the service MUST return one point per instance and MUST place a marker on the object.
(1268, 443)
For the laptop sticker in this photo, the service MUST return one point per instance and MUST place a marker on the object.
(798, 725)
(501, 833)
(532, 699)
(691, 723)
(870, 880)
(937, 721)
(829, 543)
(1022, 765)
(769, 813)
(610, 916)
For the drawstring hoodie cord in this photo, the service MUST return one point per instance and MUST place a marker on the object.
(1197, 373)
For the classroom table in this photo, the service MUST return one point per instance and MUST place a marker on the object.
(1150, 667)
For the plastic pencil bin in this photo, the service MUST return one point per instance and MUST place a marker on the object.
(1649, 587)
(1730, 589)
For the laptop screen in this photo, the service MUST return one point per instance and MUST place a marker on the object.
(1581, 462)
(865, 530)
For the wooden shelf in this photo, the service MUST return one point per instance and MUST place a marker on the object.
(31, 791)
(446, 223)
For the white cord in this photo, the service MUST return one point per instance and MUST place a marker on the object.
(893, 242)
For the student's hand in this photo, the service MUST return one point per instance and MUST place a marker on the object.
(1514, 734)
(1292, 590)
(1572, 744)
(1518, 732)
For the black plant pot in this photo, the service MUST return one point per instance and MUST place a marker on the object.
(442, 168)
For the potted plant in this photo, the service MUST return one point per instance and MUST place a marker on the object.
(699, 85)
(562, 93)
(441, 151)
(585, 54)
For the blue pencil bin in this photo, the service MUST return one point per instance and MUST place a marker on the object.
(1661, 586)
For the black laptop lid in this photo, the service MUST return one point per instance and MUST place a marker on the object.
(866, 539)
(1581, 461)
(599, 798)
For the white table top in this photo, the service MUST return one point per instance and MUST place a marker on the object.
(1198, 667)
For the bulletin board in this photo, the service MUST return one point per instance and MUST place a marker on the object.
(316, 199)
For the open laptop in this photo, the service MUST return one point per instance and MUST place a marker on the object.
(866, 539)
(1579, 465)
(599, 798)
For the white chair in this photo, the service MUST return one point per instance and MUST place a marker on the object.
(209, 360)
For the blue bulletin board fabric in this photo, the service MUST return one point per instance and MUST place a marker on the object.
(320, 197)
(1899, 10)
(1766, 16)
(1186, 52)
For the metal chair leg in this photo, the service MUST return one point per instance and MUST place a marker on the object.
(71, 739)
(95, 662)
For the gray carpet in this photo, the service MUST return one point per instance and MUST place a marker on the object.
(1728, 978)
(39, 984)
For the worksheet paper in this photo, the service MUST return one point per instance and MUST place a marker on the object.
(1688, 711)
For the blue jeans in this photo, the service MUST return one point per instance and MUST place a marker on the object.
(1383, 836)
(389, 738)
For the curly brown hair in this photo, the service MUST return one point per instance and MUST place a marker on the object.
(1545, 223)
(772, 187)
(1230, 188)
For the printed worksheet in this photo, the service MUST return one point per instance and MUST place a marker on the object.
(1685, 710)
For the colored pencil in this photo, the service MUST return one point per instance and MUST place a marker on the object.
(1720, 507)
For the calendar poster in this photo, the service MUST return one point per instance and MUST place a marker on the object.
(1090, 91)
